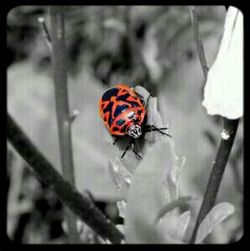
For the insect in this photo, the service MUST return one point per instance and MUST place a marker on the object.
(124, 113)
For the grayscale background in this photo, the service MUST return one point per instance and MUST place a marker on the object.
(151, 46)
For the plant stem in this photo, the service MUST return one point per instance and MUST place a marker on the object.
(230, 127)
(226, 144)
(79, 204)
(198, 41)
(45, 33)
(138, 63)
(59, 60)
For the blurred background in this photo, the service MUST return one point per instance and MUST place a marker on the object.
(151, 46)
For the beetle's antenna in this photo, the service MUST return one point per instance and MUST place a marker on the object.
(152, 128)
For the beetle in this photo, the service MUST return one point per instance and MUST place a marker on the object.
(124, 113)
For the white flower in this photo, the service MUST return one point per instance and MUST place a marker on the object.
(223, 93)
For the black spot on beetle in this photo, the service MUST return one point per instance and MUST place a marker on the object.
(123, 129)
(108, 108)
(109, 93)
(115, 129)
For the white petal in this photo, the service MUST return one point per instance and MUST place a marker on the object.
(223, 93)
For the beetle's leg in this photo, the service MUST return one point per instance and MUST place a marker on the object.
(115, 140)
(130, 143)
(135, 151)
(137, 154)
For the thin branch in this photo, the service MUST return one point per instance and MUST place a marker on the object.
(198, 41)
(59, 63)
(138, 63)
(79, 204)
(45, 33)
(235, 168)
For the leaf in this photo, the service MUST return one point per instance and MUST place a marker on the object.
(178, 163)
(119, 174)
(182, 225)
(218, 213)
(153, 118)
(129, 162)
(146, 196)
(169, 207)
(121, 170)
(121, 208)
(174, 226)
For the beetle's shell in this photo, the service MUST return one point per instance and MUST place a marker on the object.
(116, 106)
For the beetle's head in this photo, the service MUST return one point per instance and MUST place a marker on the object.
(134, 131)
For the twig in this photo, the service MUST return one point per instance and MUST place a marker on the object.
(235, 168)
(138, 63)
(230, 128)
(59, 61)
(80, 205)
(227, 140)
(45, 33)
(198, 41)
(13, 203)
